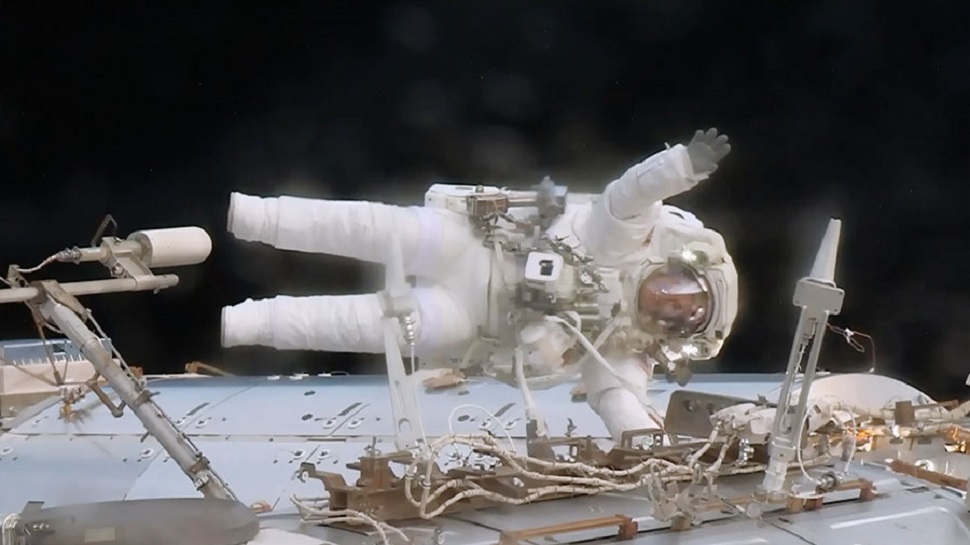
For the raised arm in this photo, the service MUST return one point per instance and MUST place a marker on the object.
(623, 217)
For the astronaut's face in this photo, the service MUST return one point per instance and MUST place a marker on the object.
(674, 300)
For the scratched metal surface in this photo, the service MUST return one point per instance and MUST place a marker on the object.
(257, 430)
(906, 512)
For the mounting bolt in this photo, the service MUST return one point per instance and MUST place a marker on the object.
(829, 481)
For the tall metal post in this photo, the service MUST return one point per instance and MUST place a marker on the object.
(819, 298)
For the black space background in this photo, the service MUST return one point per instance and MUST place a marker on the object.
(154, 112)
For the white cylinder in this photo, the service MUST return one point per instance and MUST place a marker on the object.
(173, 247)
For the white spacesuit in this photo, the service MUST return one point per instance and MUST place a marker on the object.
(606, 285)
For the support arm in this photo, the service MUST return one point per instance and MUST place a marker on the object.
(129, 262)
(819, 298)
(132, 393)
(399, 307)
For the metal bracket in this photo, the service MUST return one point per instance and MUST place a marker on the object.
(689, 413)
(54, 290)
(117, 411)
(627, 529)
(656, 436)
(103, 227)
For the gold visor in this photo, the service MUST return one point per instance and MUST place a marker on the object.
(674, 300)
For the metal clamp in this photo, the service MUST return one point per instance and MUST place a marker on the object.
(12, 530)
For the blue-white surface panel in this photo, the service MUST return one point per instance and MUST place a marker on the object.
(182, 399)
(355, 406)
(256, 430)
(65, 469)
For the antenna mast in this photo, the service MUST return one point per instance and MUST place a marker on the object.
(819, 298)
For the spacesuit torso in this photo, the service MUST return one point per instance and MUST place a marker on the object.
(540, 267)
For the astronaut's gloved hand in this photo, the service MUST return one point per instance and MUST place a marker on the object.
(706, 149)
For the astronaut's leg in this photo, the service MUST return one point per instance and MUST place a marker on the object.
(430, 238)
(342, 323)
(618, 406)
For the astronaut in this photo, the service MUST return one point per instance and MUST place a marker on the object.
(524, 285)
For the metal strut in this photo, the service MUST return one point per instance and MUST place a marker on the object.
(399, 307)
(129, 262)
(819, 298)
(59, 307)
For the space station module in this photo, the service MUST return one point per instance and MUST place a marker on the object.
(604, 286)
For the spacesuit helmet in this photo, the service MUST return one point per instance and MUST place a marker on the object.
(684, 295)
(674, 300)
